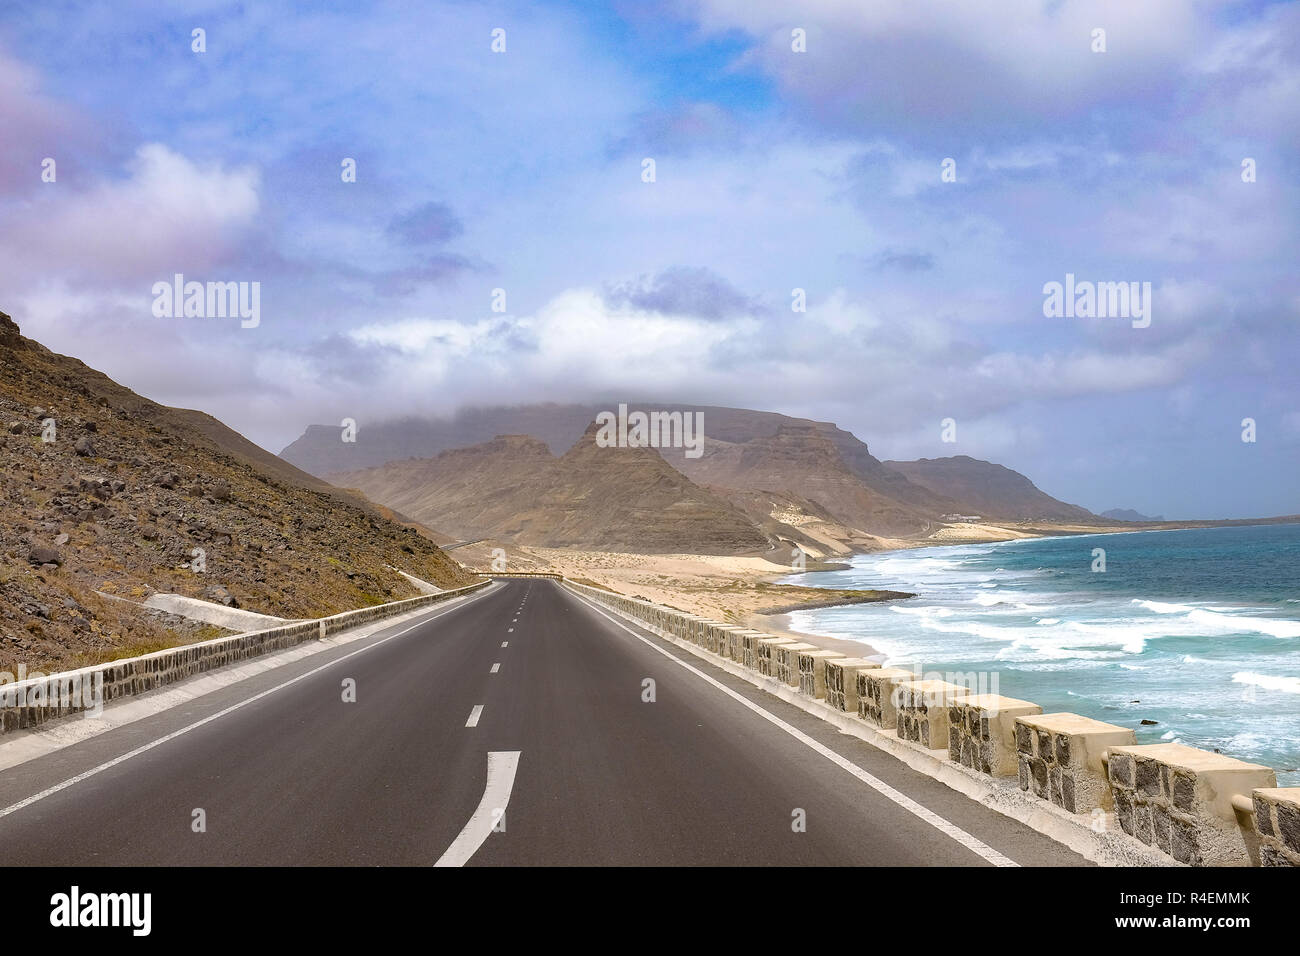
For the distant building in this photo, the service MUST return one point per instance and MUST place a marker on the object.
(961, 518)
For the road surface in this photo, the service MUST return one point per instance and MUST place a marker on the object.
(508, 729)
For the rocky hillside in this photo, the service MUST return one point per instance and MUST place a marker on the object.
(746, 451)
(820, 482)
(803, 459)
(992, 491)
(608, 499)
(319, 451)
(113, 508)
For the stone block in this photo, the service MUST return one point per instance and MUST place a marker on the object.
(740, 642)
(1069, 748)
(842, 682)
(812, 671)
(767, 653)
(1181, 800)
(923, 710)
(724, 635)
(710, 635)
(982, 732)
(1277, 821)
(787, 661)
(750, 641)
(876, 694)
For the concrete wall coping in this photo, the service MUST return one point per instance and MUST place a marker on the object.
(995, 702)
(891, 673)
(934, 687)
(1278, 794)
(1188, 758)
(1067, 723)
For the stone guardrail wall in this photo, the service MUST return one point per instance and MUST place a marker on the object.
(522, 574)
(29, 703)
(1197, 807)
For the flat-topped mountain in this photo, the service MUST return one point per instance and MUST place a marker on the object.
(591, 497)
(129, 497)
(803, 459)
(319, 451)
(1128, 514)
(776, 468)
(987, 490)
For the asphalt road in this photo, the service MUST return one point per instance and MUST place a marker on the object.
(585, 771)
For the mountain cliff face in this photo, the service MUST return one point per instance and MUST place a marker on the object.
(469, 492)
(113, 508)
(803, 459)
(991, 491)
(746, 450)
(319, 451)
(751, 458)
(610, 499)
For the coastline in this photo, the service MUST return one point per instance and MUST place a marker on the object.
(745, 589)
(778, 625)
(1198, 658)
(778, 622)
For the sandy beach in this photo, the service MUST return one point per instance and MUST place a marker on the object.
(744, 589)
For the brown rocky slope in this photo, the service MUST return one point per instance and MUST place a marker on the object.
(747, 452)
(803, 459)
(988, 489)
(609, 499)
(118, 502)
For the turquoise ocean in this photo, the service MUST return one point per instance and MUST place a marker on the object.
(1197, 630)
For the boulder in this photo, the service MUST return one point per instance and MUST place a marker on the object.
(43, 554)
(220, 595)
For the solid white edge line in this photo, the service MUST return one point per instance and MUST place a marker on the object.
(474, 716)
(145, 748)
(972, 843)
(502, 765)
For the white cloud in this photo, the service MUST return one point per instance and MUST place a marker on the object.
(1005, 56)
(168, 214)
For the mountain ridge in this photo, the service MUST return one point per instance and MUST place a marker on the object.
(513, 487)
(1128, 514)
(993, 490)
(747, 454)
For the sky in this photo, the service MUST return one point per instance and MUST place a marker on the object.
(501, 243)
